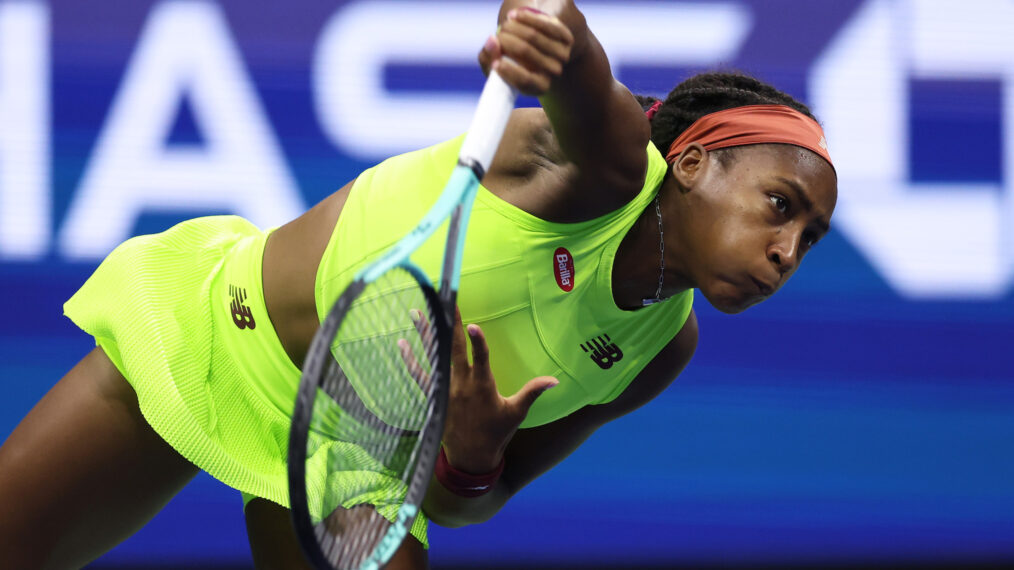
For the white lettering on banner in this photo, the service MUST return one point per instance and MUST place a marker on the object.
(185, 49)
(25, 219)
(929, 240)
(365, 120)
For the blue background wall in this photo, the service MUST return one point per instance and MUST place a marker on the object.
(864, 414)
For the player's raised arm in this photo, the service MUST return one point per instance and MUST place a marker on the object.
(545, 48)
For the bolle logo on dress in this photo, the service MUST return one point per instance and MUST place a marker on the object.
(563, 268)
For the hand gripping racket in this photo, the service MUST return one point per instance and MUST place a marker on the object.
(369, 414)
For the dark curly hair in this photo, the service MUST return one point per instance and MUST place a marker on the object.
(707, 93)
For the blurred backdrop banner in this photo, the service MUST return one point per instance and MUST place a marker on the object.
(866, 413)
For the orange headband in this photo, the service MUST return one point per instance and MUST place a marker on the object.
(753, 124)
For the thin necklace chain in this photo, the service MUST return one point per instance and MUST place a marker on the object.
(661, 253)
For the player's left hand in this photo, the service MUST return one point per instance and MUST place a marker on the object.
(529, 50)
(481, 422)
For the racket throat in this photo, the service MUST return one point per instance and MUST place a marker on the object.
(457, 228)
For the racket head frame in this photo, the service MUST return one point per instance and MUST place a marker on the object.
(313, 368)
(484, 133)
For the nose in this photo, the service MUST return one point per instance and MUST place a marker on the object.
(783, 252)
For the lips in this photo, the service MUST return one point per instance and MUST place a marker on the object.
(762, 287)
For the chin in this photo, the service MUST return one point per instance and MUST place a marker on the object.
(731, 309)
(731, 305)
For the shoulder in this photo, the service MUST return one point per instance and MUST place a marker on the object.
(531, 171)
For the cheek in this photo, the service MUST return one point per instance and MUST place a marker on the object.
(734, 249)
(734, 241)
(728, 231)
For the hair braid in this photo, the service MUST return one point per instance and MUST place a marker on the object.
(707, 93)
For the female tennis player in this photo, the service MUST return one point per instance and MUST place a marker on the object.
(599, 215)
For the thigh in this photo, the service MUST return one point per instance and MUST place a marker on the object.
(274, 545)
(83, 471)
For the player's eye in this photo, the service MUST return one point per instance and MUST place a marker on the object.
(780, 203)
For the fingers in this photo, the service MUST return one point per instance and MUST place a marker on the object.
(459, 352)
(549, 25)
(426, 333)
(459, 349)
(418, 373)
(526, 81)
(480, 351)
(489, 53)
(536, 38)
(422, 326)
(536, 47)
(522, 401)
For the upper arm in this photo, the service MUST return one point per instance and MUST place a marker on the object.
(534, 451)
(598, 124)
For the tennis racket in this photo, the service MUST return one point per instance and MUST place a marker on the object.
(369, 414)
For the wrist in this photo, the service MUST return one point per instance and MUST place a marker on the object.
(466, 484)
(474, 460)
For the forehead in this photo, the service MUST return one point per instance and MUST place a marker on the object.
(778, 163)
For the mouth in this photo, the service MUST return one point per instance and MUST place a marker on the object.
(762, 287)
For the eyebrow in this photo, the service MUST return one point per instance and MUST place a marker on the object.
(805, 200)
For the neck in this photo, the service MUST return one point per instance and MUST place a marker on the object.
(638, 261)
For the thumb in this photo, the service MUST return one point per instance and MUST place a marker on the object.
(522, 401)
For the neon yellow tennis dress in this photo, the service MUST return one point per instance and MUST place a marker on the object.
(181, 314)
(541, 291)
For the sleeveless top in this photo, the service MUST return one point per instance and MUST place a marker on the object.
(541, 291)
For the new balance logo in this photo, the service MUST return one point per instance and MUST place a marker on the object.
(603, 351)
(241, 314)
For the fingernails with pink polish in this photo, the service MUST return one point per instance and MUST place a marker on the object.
(490, 44)
(533, 9)
(473, 331)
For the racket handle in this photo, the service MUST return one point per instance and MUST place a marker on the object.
(488, 123)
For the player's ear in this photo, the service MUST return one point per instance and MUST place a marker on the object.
(689, 166)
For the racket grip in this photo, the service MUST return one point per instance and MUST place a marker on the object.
(488, 123)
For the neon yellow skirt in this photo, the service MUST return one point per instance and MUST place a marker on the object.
(181, 314)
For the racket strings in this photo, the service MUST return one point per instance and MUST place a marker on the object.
(375, 401)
